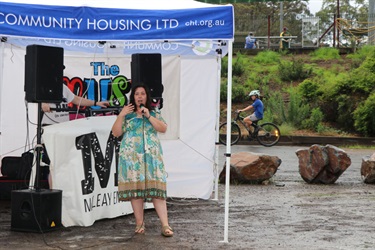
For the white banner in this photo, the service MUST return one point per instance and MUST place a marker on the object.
(83, 165)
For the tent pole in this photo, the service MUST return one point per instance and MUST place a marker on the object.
(2, 47)
(217, 129)
(228, 147)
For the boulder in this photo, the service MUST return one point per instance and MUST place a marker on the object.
(322, 164)
(368, 169)
(247, 167)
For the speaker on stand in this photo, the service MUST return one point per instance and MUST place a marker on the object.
(44, 67)
(39, 210)
(147, 69)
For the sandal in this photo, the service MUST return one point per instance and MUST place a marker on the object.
(165, 232)
(140, 229)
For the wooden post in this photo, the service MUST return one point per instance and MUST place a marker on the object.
(337, 24)
(269, 30)
(334, 31)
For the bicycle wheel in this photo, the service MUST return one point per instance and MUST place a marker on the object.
(268, 134)
(235, 134)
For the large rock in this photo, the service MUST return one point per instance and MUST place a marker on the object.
(247, 167)
(322, 164)
(368, 169)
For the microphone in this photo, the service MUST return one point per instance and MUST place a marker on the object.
(142, 106)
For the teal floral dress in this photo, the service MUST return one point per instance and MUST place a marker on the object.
(141, 172)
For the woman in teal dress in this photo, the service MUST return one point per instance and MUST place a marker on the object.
(141, 172)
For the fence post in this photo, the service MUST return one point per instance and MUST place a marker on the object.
(269, 30)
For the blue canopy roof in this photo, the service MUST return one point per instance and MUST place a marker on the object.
(114, 20)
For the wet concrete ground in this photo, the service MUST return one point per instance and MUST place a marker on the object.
(285, 214)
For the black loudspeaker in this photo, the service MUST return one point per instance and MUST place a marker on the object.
(44, 67)
(146, 69)
(36, 210)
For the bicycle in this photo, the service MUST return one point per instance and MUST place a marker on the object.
(267, 134)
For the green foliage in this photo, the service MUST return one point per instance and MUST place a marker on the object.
(310, 90)
(267, 57)
(238, 66)
(315, 121)
(223, 92)
(298, 111)
(362, 52)
(287, 129)
(274, 108)
(239, 94)
(345, 107)
(224, 66)
(364, 117)
(293, 70)
(325, 54)
(329, 93)
(363, 78)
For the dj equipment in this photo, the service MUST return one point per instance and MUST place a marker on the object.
(91, 112)
(36, 210)
(44, 67)
(147, 69)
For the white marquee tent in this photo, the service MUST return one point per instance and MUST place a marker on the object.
(191, 36)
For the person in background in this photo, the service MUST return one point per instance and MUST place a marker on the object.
(257, 106)
(284, 43)
(141, 172)
(250, 42)
(53, 117)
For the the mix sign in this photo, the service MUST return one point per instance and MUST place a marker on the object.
(108, 85)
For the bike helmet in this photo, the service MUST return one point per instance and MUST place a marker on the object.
(255, 92)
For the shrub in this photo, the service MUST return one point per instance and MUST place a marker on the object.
(274, 108)
(325, 54)
(364, 117)
(224, 66)
(310, 90)
(297, 110)
(238, 66)
(238, 93)
(294, 70)
(315, 120)
(223, 92)
(287, 129)
(267, 57)
(363, 78)
(360, 55)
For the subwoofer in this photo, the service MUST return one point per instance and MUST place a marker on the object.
(36, 210)
(147, 69)
(44, 67)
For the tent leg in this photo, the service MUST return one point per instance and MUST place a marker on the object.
(216, 177)
(228, 147)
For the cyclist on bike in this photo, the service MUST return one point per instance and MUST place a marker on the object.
(257, 106)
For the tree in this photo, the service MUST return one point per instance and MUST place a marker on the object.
(254, 17)
(353, 15)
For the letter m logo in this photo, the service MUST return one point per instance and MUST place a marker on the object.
(89, 145)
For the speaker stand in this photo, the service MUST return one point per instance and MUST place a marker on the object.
(38, 147)
(37, 210)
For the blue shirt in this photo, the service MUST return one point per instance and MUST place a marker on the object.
(258, 108)
(250, 42)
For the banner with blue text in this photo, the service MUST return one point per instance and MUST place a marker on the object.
(110, 24)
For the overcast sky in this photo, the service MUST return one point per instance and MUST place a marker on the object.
(315, 5)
